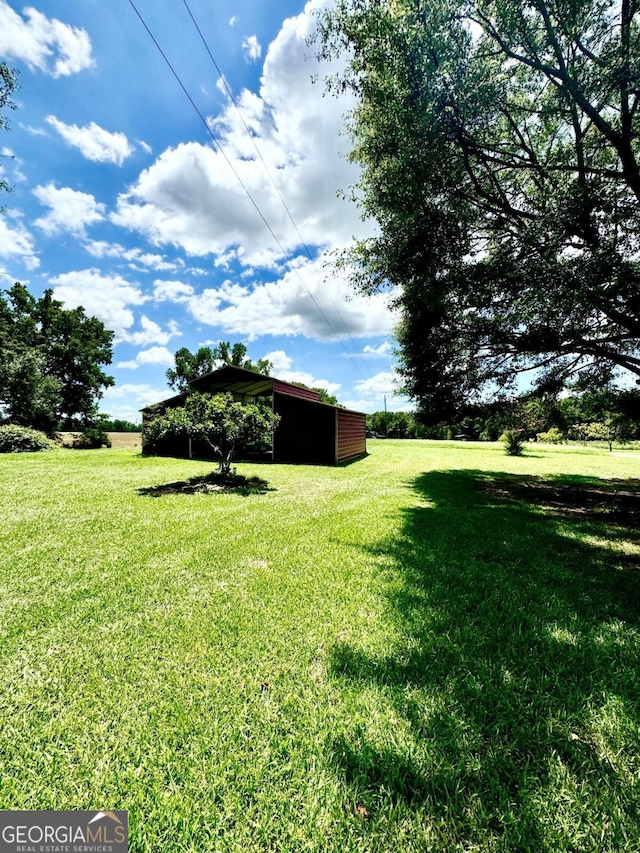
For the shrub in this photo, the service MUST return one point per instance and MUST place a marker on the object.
(19, 439)
(513, 440)
(91, 438)
(551, 436)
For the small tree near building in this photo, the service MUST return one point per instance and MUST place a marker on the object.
(223, 423)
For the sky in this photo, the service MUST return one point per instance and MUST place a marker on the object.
(185, 219)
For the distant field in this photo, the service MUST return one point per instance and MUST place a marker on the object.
(436, 648)
(118, 439)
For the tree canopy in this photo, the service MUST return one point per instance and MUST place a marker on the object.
(8, 85)
(498, 141)
(571, 417)
(50, 360)
(188, 365)
(223, 423)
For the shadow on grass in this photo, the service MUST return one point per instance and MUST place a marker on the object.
(210, 483)
(511, 694)
(613, 503)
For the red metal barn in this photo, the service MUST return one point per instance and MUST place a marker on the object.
(309, 431)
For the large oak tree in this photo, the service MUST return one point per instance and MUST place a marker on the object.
(498, 141)
(50, 360)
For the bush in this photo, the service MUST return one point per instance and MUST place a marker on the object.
(19, 439)
(513, 440)
(552, 436)
(91, 438)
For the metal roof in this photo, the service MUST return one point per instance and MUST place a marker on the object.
(238, 380)
(234, 379)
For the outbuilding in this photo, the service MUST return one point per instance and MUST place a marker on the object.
(309, 430)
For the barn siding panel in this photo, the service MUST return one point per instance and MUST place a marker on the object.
(352, 435)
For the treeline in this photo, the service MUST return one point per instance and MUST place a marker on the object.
(117, 424)
(395, 425)
(610, 415)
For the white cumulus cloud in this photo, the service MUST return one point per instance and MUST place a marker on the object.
(94, 142)
(108, 297)
(191, 198)
(172, 291)
(383, 350)
(46, 44)
(280, 361)
(17, 243)
(382, 383)
(305, 301)
(155, 355)
(252, 48)
(151, 333)
(136, 257)
(71, 210)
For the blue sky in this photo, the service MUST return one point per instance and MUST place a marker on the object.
(123, 202)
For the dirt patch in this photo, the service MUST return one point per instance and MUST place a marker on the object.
(215, 482)
(615, 502)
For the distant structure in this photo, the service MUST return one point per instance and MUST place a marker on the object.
(309, 431)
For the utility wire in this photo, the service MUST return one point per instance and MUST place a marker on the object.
(244, 187)
(264, 163)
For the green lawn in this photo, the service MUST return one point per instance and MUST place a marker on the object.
(436, 648)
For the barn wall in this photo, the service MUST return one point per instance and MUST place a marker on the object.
(306, 432)
(352, 435)
(175, 447)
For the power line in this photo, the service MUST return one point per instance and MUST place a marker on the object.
(244, 187)
(264, 162)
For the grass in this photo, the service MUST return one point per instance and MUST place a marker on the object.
(435, 648)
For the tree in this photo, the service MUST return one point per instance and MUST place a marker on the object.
(499, 145)
(50, 360)
(612, 428)
(394, 425)
(30, 397)
(8, 85)
(109, 424)
(219, 421)
(236, 356)
(189, 366)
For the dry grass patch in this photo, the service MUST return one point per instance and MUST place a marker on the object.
(119, 440)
